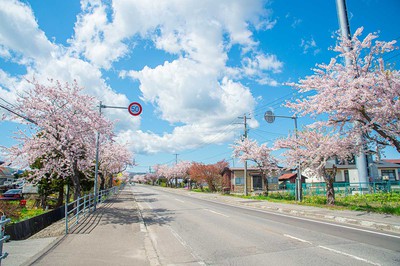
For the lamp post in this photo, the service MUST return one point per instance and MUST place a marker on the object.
(269, 116)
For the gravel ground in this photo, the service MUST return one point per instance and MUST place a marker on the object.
(54, 230)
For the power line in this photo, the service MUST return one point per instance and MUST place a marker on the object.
(19, 115)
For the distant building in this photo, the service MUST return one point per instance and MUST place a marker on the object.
(255, 182)
(347, 171)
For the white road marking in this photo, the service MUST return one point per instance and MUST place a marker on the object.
(186, 245)
(180, 200)
(304, 219)
(349, 255)
(298, 239)
(148, 205)
(141, 221)
(217, 213)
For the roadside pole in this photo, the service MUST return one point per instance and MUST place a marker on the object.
(134, 109)
(361, 159)
(269, 116)
(245, 162)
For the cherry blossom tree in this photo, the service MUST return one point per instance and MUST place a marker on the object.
(209, 173)
(162, 171)
(313, 148)
(152, 177)
(114, 158)
(63, 139)
(179, 170)
(364, 94)
(259, 154)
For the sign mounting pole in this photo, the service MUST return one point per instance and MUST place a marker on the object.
(134, 109)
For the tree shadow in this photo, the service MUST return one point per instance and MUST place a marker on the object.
(158, 216)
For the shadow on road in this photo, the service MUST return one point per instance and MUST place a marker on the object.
(118, 210)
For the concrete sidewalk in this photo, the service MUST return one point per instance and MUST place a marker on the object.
(113, 235)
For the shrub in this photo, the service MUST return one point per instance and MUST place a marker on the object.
(315, 199)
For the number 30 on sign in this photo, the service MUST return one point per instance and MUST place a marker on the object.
(135, 109)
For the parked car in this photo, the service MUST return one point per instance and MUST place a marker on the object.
(18, 184)
(12, 194)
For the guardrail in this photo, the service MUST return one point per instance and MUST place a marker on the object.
(346, 188)
(79, 208)
(3, 238)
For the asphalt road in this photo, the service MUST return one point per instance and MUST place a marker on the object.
(190, 231)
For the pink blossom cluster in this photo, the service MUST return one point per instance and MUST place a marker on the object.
(362, 97)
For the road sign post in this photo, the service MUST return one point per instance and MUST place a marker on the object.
(135, 109)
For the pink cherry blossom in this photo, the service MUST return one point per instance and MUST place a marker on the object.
(361, 98)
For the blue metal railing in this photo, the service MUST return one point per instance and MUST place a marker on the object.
(3, 238)
(79, 208)
(346, 188)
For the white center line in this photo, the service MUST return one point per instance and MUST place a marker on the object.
(180, 200)
(349, 255)
(217, 213)
(298, 239)
(303, 219)
(187, 246)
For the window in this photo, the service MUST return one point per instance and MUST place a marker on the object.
(346, 176)
(239, 181)
(388, 173)
(257, 182)
(340, 177)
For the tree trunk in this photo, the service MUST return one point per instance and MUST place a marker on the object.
(266, 185)
(60, 195)
(102, 181)
(43, 201)
(75, 181)
(330, 192)
(329, 176)
(110, 181)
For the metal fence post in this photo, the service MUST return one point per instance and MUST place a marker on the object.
(2, 237)
(66, 217)
(84, 204)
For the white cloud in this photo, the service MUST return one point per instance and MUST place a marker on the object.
(309, 46)
(197, 90)
(296, 22)
(19, 32)
(259, 66)
(45, 60)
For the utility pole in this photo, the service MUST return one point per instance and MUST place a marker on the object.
(96, 168)
(176, 162)
(245, 162)
(361, 159)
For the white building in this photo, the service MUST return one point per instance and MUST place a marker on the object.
(347, 172)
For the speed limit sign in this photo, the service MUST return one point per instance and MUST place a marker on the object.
(135, 109)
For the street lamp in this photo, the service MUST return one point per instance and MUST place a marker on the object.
(269, 116)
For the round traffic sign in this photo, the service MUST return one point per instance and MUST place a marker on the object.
(269, 116)
(135, 109)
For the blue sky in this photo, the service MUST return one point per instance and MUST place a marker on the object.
(195, 66)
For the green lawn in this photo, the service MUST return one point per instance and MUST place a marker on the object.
(16, 213)
(379, 202)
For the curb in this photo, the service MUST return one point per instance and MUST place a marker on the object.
(44, 251)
